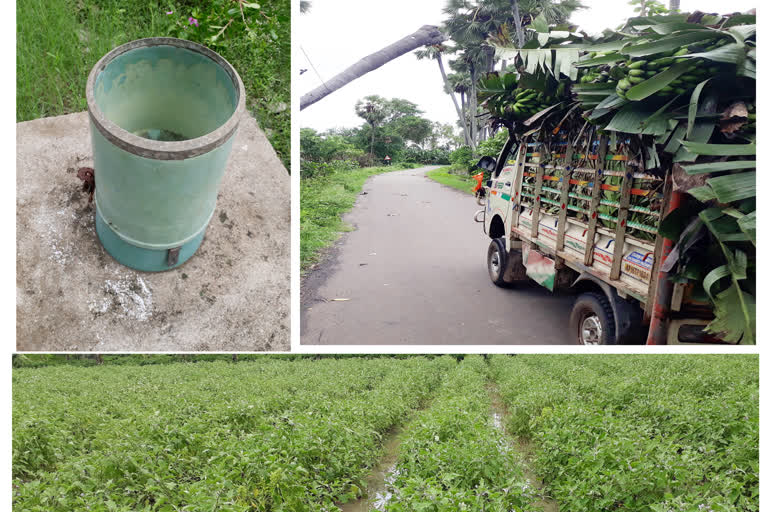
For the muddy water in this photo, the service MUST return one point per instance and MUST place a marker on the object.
(161, 135)
(523, 451)
(376, 483)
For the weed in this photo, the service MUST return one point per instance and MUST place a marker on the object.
(59, 41)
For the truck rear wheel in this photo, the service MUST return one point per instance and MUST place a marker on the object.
(592, 321)
(497, 262)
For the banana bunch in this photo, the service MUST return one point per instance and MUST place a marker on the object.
(639, 70)
(596, 75)
(630, 72)
(527, 102)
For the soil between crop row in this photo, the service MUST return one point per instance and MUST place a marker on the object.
(377, 491)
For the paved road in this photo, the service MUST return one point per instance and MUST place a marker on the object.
(414, 272)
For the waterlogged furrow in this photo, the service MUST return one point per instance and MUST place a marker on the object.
(453, 457)
(638, 433)
(211, 436)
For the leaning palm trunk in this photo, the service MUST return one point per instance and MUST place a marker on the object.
(453, 97)
(426, 35)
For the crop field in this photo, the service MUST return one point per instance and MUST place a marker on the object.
(496, 434)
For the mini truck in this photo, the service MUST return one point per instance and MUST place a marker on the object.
(582, 217)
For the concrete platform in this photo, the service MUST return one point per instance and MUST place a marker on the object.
(233, 295)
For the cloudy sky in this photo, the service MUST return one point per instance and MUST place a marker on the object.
(337, 33)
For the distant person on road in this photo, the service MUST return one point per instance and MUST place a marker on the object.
(387, 160)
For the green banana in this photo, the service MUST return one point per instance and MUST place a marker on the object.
(665, 61)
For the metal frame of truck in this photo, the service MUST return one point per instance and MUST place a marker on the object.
(630, 300)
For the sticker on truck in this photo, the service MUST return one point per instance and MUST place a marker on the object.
(638, 265)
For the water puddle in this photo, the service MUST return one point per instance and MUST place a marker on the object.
(379, 480)
(522, 450)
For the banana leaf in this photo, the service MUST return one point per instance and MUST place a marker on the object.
(703, 193)
(693, 106)
(735, 312)
(742, 32)
(733, 165)
(703, 128)
(733, 53)
(748, 224)
(669, 43)
(721, 149)
(639, 21)
(657, 82)
(633, 117)
(675, 26)
(597, 61)
(540, 24)
(734, 187)
(609, 46)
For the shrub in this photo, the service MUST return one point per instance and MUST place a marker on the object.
(462, 158)
(493, 146)
(317, 169)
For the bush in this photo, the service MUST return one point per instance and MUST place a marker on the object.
(417, 155)
(318, 169)
(493, 146)
(462, 158)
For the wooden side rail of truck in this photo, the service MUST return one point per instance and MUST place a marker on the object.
(584, 218)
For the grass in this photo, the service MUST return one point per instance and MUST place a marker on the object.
(323, 200)
(457, 181)
(59, 41)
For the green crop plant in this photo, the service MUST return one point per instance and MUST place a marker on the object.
(454, 458)
(268, 436)
(610, 432)
(639, 433)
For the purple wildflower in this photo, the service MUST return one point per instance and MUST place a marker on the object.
(169, 12)
(193, 21)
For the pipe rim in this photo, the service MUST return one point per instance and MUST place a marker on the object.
(164, 150)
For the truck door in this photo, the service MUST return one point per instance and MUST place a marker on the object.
(500, 191)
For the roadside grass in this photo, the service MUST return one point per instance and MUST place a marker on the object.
(457, 181)
(59, 41)
(323, 201)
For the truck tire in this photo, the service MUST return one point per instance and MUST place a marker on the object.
(497, 262)
(592, 321)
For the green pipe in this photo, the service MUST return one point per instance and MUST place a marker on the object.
(164, 113)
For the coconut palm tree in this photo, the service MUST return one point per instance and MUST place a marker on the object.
(426, 35)
(373, 109)
(435, 52)
(472, 23)
(473, 59)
